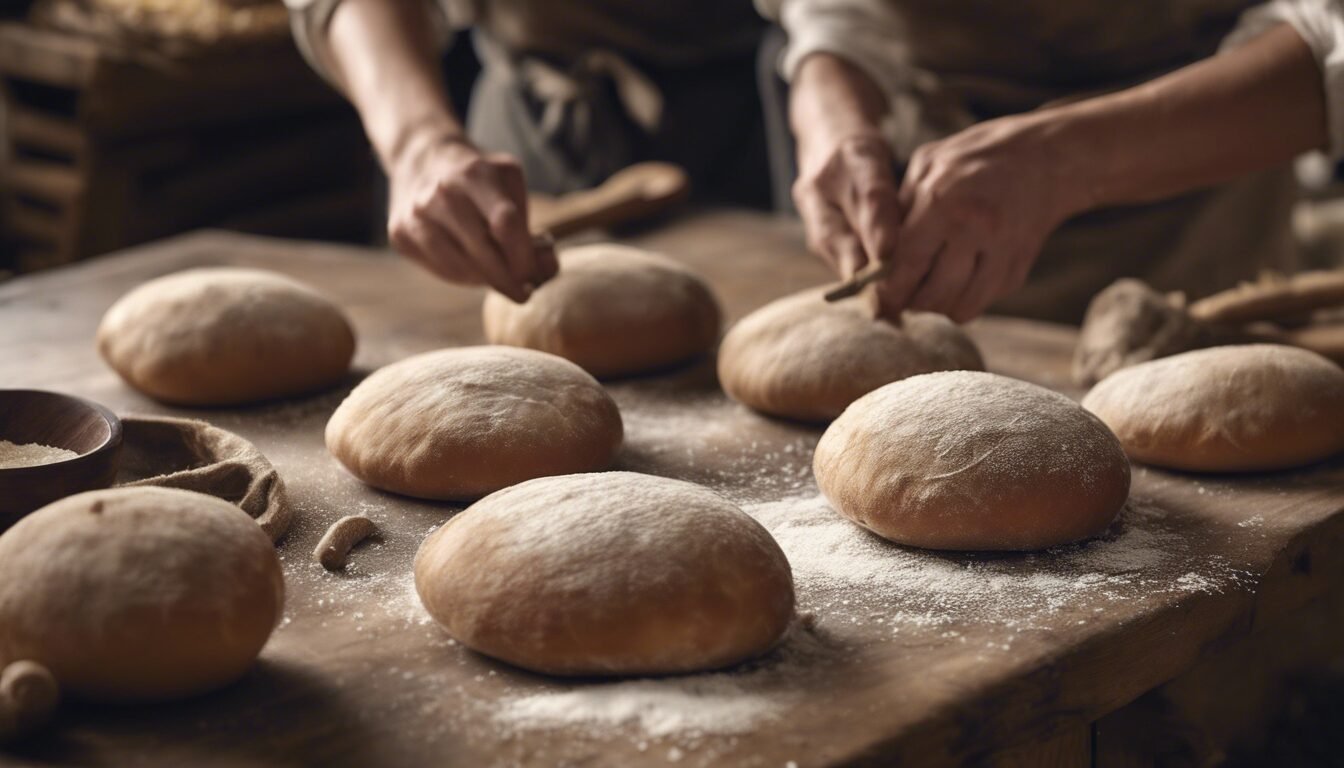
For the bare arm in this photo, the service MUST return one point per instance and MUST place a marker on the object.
(1243, 111)
(459, 212)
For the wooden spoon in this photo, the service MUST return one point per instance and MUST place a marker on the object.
(632, 193)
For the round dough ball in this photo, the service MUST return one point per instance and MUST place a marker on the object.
(803, 358)
(457, 424)
(226, 336)
(616, 573)
(138, 593)
(613, 310)
(1226, 409)
(972, 461)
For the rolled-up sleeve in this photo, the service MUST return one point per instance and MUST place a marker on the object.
(1321, 25)
(865, 33)
(309, 20)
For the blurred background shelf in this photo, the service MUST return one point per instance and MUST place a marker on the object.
(241, 134)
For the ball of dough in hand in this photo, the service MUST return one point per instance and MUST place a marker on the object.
(803, 358)
(972, 461)
(226, 336)
(613, 310)
(1226, 409)
(607, 574)
(138, 593)
(461, 423)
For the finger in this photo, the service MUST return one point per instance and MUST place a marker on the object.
(829, 235)
(548, 266)
(947, 278)
(436, 249)
(984, 286)
(922, 234)
(505, 208)
(455, 212)
(874, 212)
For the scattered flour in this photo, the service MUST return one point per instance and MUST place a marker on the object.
(838, 564)
(725, 703)
(14, 455)
(715, 704)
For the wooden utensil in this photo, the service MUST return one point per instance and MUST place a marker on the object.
(632, 193)
(1130, 323)
(59, 421)
(871, 273)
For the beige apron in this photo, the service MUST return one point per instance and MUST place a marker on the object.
(973, 60)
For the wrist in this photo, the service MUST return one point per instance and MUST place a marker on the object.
(416, 139)
(1075, 158)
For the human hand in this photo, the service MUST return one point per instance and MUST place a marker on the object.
(978, 206)
(463, 215)
(847, 196)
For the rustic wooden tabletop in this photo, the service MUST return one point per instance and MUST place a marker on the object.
(901, 655)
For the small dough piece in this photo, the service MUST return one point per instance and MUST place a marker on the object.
(1241, 408)
(803, 358)
(615, 573)
(457, 424)
(226, 336)
(613, 310)
(138, 593)
(972, 461)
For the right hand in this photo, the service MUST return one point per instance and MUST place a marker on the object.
(847, 196)
(463, 215)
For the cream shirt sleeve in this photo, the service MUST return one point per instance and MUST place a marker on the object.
(1321, 25)
(863, 32)
(309, 20)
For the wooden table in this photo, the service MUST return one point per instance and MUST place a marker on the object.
(918, 657)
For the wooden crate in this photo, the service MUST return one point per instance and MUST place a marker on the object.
(106, 148)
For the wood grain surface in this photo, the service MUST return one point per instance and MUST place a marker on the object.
(994, 653)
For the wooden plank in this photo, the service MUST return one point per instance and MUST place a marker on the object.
(35, 128)
(1071, 748)
(45, 56)
(893, 670)
(56, 183)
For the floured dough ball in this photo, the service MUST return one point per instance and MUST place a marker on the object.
(613, 310)
(972, 461)
(138, 593)
(226, 336)
(615, 573)
(803, 358)
(461, 423)
(1226, 409)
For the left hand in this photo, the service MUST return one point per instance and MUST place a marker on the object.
(979, 205)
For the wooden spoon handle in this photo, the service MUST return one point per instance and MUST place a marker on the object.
(1271, 298)
(636, 192)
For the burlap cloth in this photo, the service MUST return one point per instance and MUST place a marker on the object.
(196, 456)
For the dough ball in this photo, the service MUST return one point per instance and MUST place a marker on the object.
(138, 593)
(614, 310)
(803, 358)
(1226, 409)
(615, 573)
(460, 423)
(972, 461)
(226, 336)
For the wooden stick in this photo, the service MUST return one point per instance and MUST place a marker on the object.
(865, 277)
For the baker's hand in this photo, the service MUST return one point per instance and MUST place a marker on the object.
(978, 207)
(463, 215)
(846, 194)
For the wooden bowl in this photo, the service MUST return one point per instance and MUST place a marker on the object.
(60, 421)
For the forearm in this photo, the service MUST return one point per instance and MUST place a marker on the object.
(1242, 111)
(830, 101)
(386, 59)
